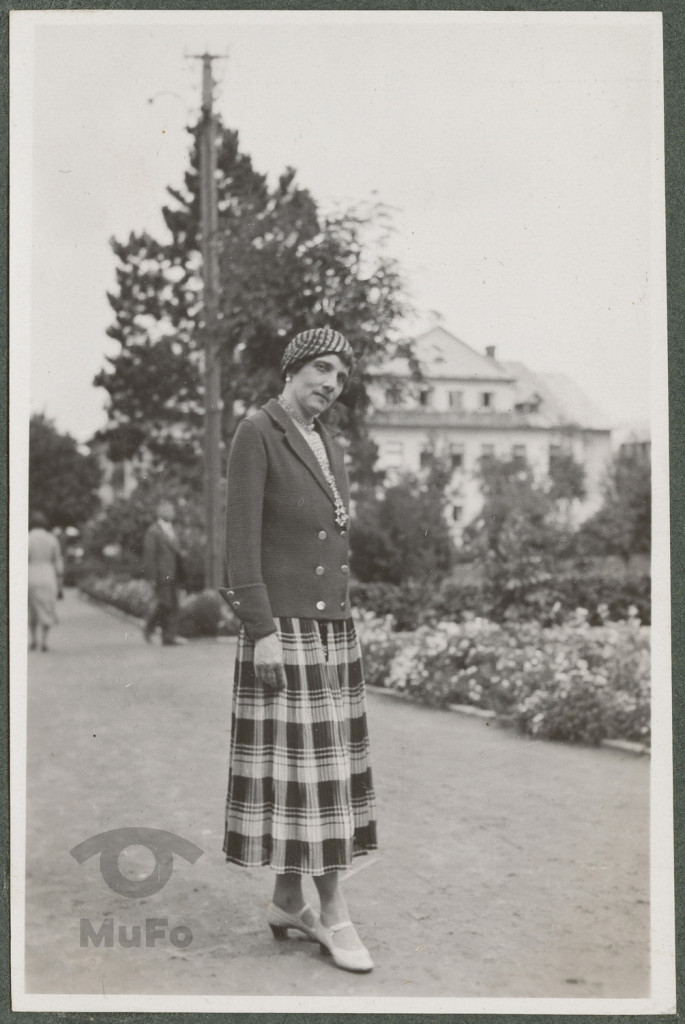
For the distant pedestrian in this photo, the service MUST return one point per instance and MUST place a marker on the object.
(45, 579)
(163, 567)
(300, 793)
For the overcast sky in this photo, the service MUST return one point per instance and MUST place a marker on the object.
(521, 155)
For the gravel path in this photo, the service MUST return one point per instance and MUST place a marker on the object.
(508, 867)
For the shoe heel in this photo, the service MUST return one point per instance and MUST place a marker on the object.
(279, 931)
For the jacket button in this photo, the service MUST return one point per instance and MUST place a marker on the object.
(322, 534)
(343, 533)
(236, 604)
(231, 593)
(320, 605)
(342, 604)
(345, 570)
(319, 570)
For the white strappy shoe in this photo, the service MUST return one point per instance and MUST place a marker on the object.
(348, 959)
(279, 922)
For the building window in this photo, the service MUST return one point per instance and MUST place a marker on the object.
(487, 399)
(487, 451)
(518, 454)
(425, 397)
(426, 458)
(457, 456)
(455, 399)
(457, 513)
(554, 455)
(393, 453)
(392, 397)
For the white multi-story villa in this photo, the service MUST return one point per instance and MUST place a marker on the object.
(471, 405)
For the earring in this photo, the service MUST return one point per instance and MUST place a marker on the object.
(288, 377)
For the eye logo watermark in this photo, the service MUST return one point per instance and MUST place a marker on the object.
(162, 845)
(110, 845)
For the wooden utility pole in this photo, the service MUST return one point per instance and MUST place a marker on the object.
(214, 553)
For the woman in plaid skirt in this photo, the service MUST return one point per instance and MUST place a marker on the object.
(300, 793)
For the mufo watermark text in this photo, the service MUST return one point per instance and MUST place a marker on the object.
(154, 929)
(110, 845)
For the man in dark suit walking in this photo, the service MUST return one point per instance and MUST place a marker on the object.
(163, 566)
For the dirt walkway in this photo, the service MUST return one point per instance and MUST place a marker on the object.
(508, 868)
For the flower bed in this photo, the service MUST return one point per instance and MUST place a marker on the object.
(551, 602)
(573, 682)
(203, 614)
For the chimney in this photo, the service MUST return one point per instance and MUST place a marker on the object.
(490, 351)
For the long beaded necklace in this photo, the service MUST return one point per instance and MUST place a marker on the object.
(313, 438)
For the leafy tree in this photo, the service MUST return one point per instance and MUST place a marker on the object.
(623, 524)
(63, 481)
(567, 478)
(566, 487)
(284, 267)
(510, 492)
(404, 534)
(516, 536)
(122, 526)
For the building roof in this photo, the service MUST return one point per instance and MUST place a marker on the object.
(542, 400)
(445, 356)
(561, 401)
(633, 432)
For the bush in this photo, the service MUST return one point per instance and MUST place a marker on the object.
(206, 614)
(548, 603)
(203, 614)
(406, 604)
(381, 644)
(572, 682)
(403, 535)
(77, 569)
(132, 596)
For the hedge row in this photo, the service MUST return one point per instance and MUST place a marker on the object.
(572, 682)
(203, 614)
(548, 603)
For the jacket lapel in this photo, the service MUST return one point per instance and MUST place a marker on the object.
(300, 448)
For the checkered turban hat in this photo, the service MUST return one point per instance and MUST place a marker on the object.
(320, 341)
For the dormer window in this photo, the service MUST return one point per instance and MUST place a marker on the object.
(455, 399)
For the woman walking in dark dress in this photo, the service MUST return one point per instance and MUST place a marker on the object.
(300, 793)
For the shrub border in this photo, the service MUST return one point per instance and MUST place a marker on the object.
(505, 722)
(128, 617)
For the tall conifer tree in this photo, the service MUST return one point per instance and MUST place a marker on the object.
(284, 267)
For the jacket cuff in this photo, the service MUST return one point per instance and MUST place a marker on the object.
(250, 603)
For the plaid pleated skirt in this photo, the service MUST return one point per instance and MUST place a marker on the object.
(300, 792)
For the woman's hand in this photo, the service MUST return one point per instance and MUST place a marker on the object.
(268, 662)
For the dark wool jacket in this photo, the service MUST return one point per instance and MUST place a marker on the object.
(286, 554)
(162, 560)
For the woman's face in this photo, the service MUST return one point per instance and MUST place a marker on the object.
(317, 384)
